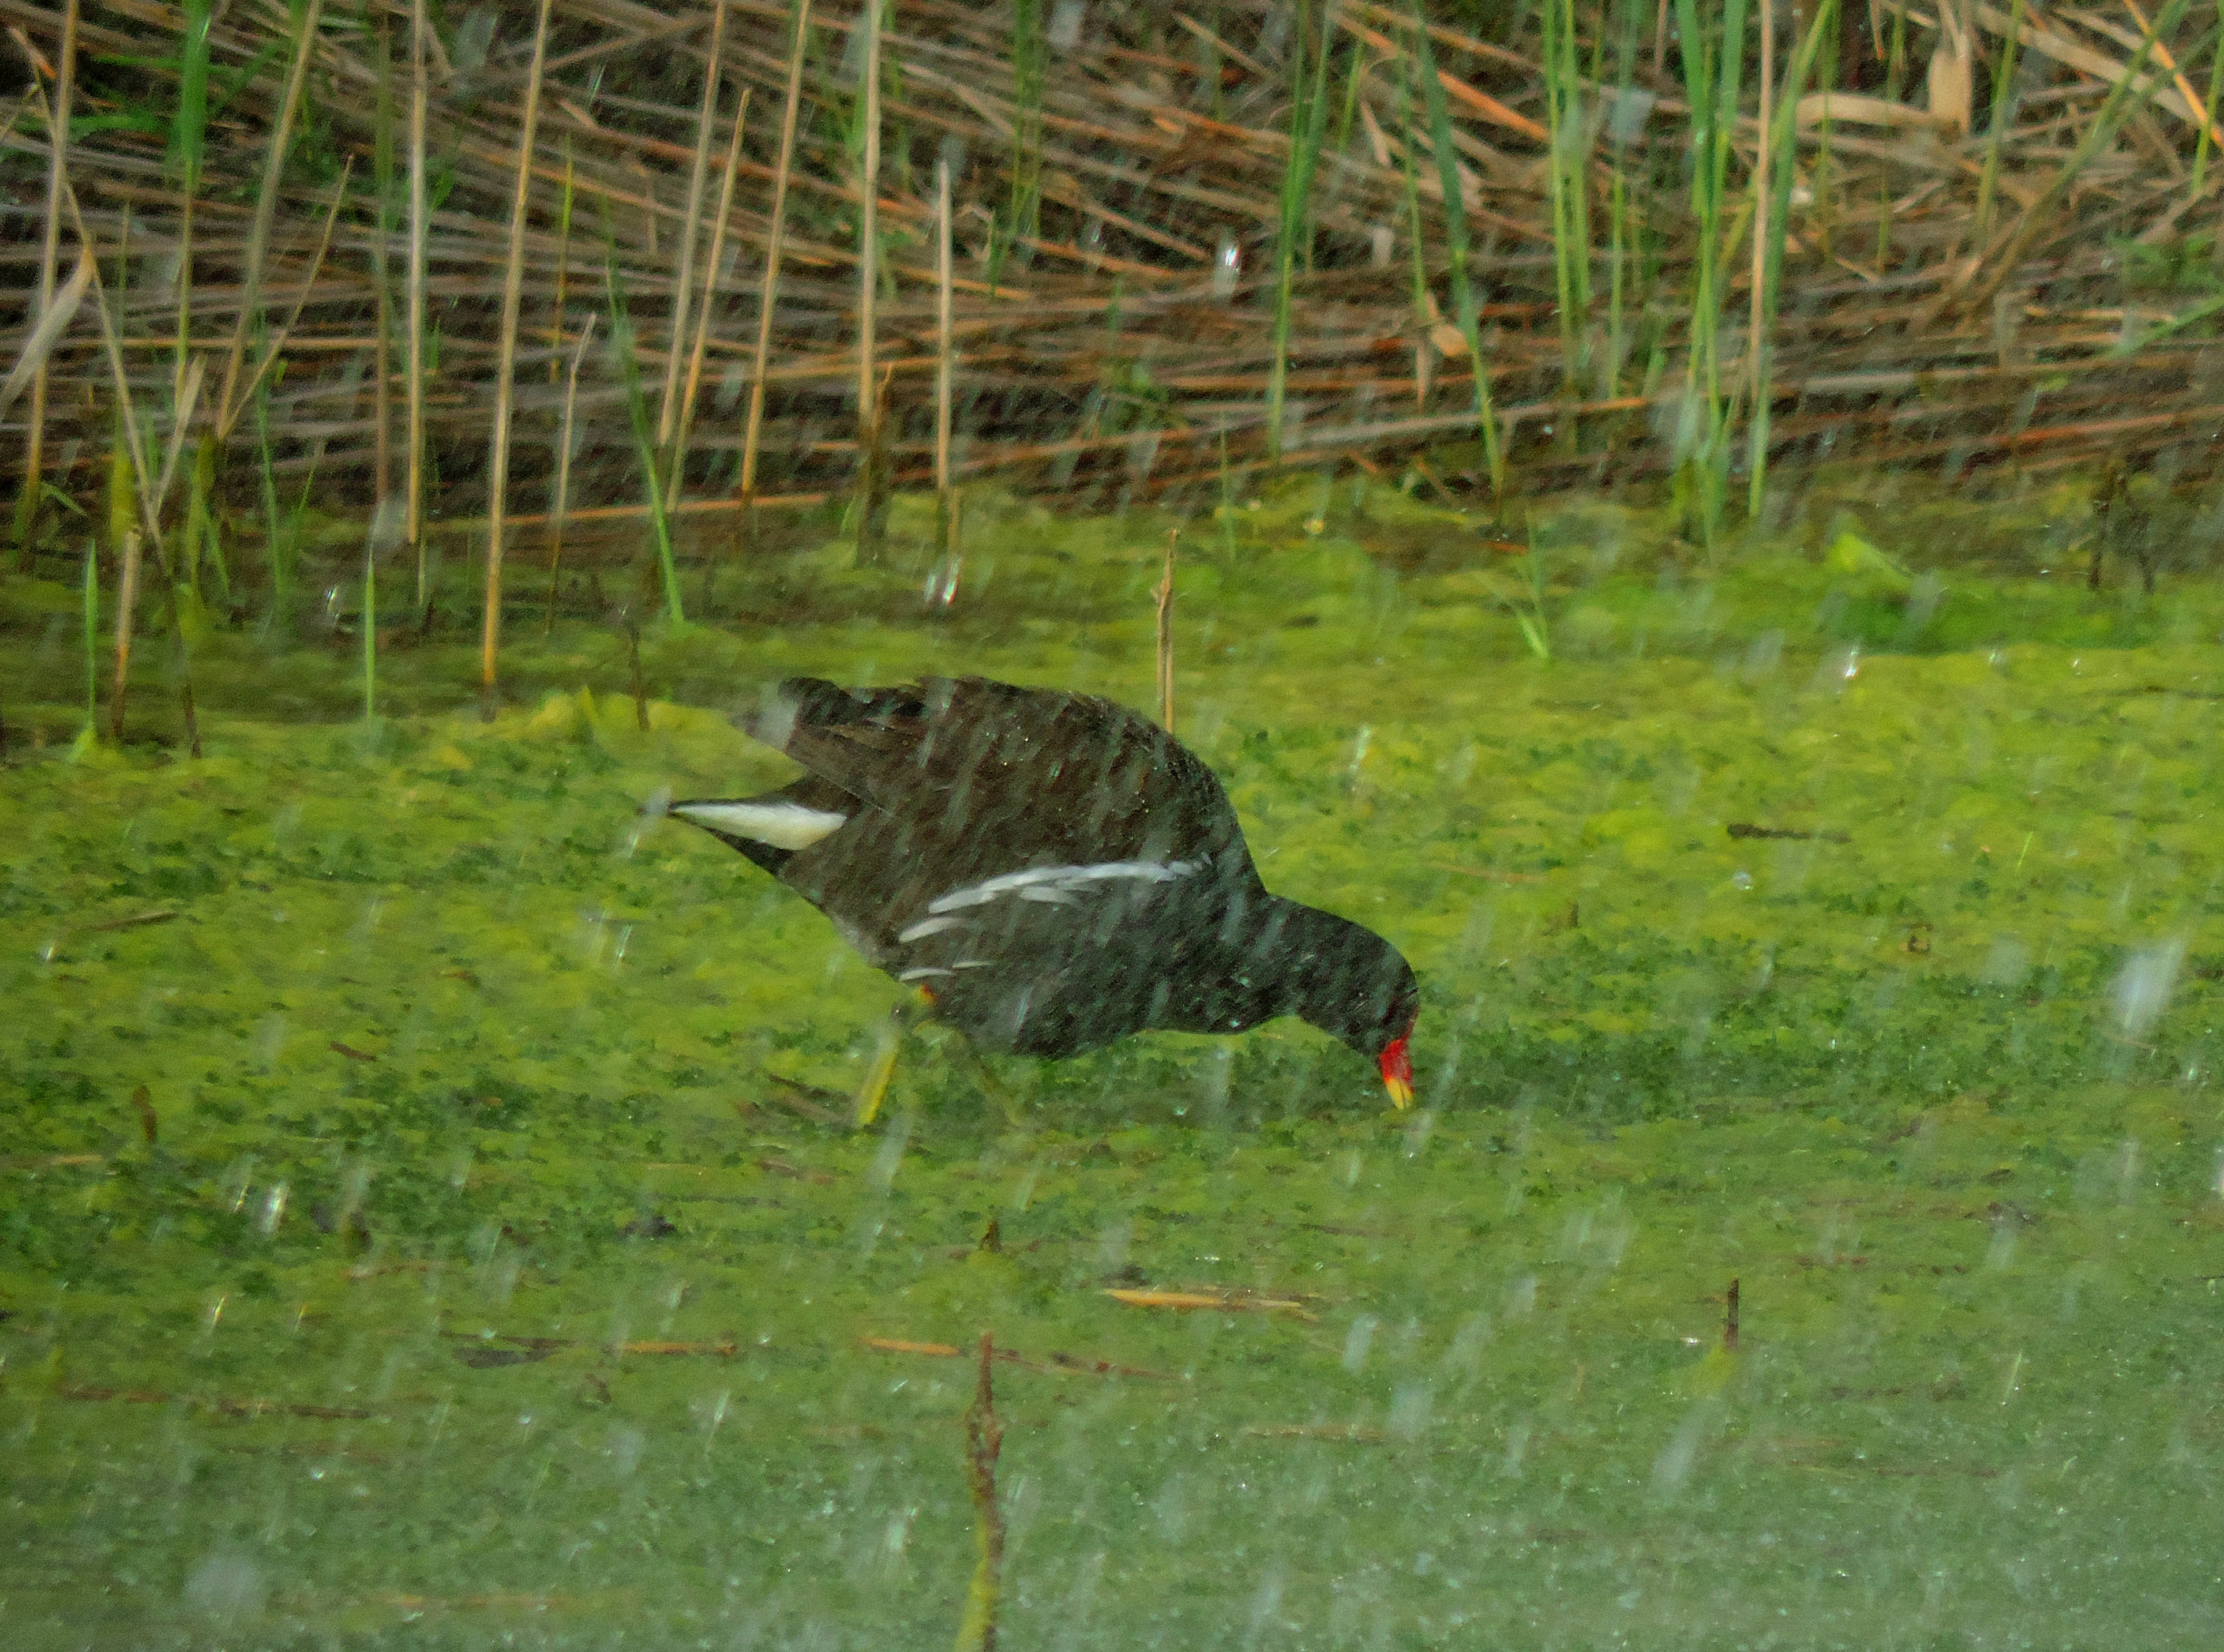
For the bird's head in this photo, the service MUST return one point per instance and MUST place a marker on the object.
(1353, 984)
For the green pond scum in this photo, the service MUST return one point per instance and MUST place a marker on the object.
(426, 1220)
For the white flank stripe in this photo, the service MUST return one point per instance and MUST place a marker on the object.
(1059, 883)
(923, 972)
(927, 926)
(782, 825)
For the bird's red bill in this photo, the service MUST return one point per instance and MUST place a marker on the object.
(1398, 1072)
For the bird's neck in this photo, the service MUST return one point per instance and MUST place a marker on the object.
(1259, 970)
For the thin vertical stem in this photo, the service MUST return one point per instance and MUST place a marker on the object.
(769, 287)
(943, 374)
(563, 258)
(1440, 140)
(1758, 322)
(506, 366)
(684, 287)
(693, 382)
(370, 631)
(1772, 209)
(2208, 110)
(92, 607)
(127, 596)
(382, 186)
(58, 119)
(985, 1443)
(868, 283)
(1165, 649)
(561, 509)
(265, 206)
(1029, 52)
(1308, 113)
(413, 521)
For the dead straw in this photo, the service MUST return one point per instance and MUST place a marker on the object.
(768, 290)
(683, 288)
(505, 368)
(871, 460)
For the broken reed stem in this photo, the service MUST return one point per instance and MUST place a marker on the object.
(1165, 596)
(683, 290)
(413, 517)
(753, 428)
(27, 505)
(694, 381)
(562, 507)
(869, 456)
(506, 368)
(984, 1442)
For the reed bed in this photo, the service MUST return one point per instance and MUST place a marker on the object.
(1185, 243)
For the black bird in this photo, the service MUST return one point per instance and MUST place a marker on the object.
(1052, 870)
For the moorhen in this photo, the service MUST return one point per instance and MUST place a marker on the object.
(1053, 870)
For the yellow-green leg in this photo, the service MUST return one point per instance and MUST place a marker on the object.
(968, 1061)
(874, 1089)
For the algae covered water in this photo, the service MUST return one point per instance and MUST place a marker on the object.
(428, 1216)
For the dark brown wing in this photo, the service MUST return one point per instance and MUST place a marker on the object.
(967, 778)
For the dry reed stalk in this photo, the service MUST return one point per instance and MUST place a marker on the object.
(753, 425)
(869, 432)
(1143, 147)
(943, 375)
(562, 513)
(506, 369)
(414, 514)
(27, 509)
(694, 381)
(382, 471)
(149, 491)
(683, 288)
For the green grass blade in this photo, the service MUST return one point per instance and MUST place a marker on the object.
(1293, 239)
(644, 428)
(91, 603)
(1782, 139)
(1440, 139)
(1029, 53)
(369, 638)
(1996, 130)
(2209, 110)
